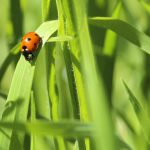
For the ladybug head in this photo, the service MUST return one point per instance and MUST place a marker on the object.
(28, 55)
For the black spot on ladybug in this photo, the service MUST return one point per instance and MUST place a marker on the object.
(36, 34)
(24, 47)
(28, 39)
(34, 44)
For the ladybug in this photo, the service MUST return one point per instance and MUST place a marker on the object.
(29, 44)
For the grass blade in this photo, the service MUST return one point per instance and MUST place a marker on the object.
(125, 30)
(140, 113)
(18, 99)
(68, 61)
(47, 29)
(63, 128)
(45, 9)
(17, 18)
(109, 47)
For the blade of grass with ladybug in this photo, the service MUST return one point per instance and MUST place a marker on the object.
(17, 104)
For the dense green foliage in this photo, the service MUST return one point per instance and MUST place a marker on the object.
(88, 86)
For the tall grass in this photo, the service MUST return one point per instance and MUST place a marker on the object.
(88, 86)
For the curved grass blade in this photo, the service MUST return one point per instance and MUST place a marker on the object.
(140, 113)
(19, 95)
(47, 29)
(124, 29)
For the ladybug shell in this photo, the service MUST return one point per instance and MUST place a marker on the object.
(30, 42)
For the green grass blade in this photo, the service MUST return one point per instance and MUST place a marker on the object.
(109, 47)
(140, 113)
(63, 128)
(33, 118)
(17, 18)
(72, 81)
(47, 29)
(58, 99)
(75, 58)
(95, 94)
(45, 9)
(125, 30)
(18, 99)
(68, 61)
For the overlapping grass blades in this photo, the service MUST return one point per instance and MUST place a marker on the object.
(95, 94)
(17, 104)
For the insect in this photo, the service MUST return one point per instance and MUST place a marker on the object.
(29, 44)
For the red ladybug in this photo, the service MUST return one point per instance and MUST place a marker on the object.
(29, 44)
